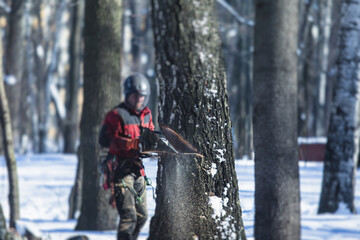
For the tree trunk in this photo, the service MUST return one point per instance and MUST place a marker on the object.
(102, 50)
(277, 195)
(333, 55)
(193, 97)
(342, 147)
(303, 81)
(49, 76)
(14, 62)
(71, 122)
(76, 191)
(7, 137)
(31, 83)
(325, 28)
(182, 203)
(2, 224)
(238, 57)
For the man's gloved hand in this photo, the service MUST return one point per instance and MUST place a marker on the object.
(149, 139)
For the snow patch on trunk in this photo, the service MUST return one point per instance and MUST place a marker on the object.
(226, 224)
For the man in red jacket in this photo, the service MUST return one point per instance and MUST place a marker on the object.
(121, 132)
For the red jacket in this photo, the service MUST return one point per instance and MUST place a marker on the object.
(121, 130)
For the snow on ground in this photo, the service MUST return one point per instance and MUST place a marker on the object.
(45, 183)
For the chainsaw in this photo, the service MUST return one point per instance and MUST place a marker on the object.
(166, 140)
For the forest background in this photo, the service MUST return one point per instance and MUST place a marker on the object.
(44, 84)
(43, 67)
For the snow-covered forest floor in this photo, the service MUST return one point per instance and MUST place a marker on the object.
(46, 180)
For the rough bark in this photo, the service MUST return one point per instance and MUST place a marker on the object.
(76, 191)
(342, 147)
(333, 55)
(182, 209)
(277, 200)
(32, 113)
(14, 62)
(71, 122)
(2, 224)
(8, 145)
(102, 50)
(193, 98)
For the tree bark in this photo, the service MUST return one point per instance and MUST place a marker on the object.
(193, 98)
(342, 147)
(333, 56)
(14, 62)
(182, 209)
(76, 191)
(277, 195)
(33, 115)
(71, 122)
(102, 51)
(7, 137)
(2, 224)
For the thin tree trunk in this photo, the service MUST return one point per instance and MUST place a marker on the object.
(325, 27)
(50, 73)
(341, 154)
(31, 83)
(2, 224)
(14, 62)
(76, 191)
(333, 55)
(7, 136)
(277, 194)
(71, 122)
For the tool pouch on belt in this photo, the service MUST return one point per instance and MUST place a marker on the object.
(130, 166)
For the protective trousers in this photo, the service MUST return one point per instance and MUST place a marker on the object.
(130, 196)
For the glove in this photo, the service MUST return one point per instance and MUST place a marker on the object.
(149, 139)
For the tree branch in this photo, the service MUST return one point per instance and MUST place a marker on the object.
(234, 13)
(4, 7)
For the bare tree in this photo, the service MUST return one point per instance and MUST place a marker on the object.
(73, 83)
(2, 224)
(193, 97)
(342, 147)
(102, 54)
(277, 194)
(237, 41)
(14, 62)
(5, 121)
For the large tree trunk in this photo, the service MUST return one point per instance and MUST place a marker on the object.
(342, 147)
(193, 97)
(277, 196)
(5, 121)
(182, 209)
(14, 62)
(102, 49)
(71, 122)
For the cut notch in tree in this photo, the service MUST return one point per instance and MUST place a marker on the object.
(183, 209)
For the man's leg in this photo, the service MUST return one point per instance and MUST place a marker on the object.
(141, 207)
(125, 203)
